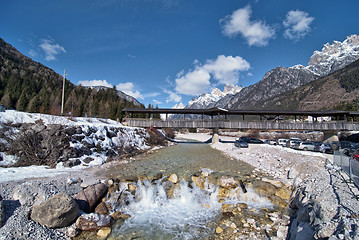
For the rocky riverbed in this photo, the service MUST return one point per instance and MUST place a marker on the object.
(324, 204)
(321, 206)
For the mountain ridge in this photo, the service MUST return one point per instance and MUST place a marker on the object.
(30, 86)
(334, 91)
(281, 79)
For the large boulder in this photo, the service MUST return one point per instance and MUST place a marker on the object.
(2, 212)
(90, 196)
(58, 211)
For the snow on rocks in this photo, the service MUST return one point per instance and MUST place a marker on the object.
(85, 142)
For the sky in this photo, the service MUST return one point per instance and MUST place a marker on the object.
(163, 52)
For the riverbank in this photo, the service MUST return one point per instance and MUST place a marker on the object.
(323, 203)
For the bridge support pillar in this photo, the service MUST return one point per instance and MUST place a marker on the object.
(330, 135)
(215, 136)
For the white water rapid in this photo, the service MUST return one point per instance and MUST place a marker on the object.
(187, 214)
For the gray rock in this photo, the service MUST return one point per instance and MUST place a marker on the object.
(33, 193)
(303, 213)
(72, 163)
(293, 173)
(304, 231)
(88, 160)
(2, 212)
(325, 230)
(58, 211)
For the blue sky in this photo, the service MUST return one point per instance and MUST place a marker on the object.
(168, 51)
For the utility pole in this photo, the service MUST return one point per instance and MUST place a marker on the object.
(63, 94)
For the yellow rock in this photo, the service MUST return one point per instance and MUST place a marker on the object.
(276, 183)
(132, 187)
(104, 232)
(223, 192)
(233, 225)
(116, 215)
(242, 206)
(206, 205)
(173, 178)
(225, 207)
(142, 178)
(171, 191)
(283, 193)
(219, 230)
(124, 216)
(199, 181)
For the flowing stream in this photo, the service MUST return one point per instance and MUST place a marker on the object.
(191, 212)
(184, 159)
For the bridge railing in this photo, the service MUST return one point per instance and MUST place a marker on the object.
(237, 124)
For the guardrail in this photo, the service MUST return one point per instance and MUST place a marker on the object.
(348, 165)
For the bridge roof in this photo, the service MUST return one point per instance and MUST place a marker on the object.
(221, 111)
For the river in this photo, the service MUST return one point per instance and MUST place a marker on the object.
(195, 212)
(184, 159)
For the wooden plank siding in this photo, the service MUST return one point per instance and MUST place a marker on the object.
(258, 125)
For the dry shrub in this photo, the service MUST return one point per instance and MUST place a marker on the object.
(253, 133)
(155, 137)
(170, 133)
(37, 148)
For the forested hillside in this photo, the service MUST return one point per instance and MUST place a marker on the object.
(26, 85)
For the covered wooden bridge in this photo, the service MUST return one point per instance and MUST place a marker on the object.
(219, 118)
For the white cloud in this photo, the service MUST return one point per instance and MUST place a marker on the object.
(151, 94)
(193, 83)
(95, 83)
(32, 53)
(224, 69)
(128, 88)
(256, 32)
(157, 102)
(173, 97)
(297, 24)
(51, 49)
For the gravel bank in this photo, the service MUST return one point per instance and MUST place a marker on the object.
(324, 204)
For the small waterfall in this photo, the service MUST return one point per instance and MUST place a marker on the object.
(164, 210)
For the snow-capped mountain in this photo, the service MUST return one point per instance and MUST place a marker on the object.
(335, 56)
(332, 57)
(178, 106)
(208, 100)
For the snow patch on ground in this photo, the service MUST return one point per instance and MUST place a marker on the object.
(16, 117)
(99, 135)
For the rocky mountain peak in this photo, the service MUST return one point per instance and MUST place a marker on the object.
(231, 89)
(178, 106)
(217, 93)
(334, 56)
